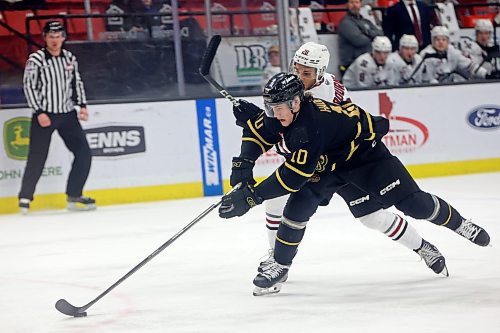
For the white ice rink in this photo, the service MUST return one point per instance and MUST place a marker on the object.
(345, 278)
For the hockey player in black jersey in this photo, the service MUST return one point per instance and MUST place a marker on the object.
(330, 145)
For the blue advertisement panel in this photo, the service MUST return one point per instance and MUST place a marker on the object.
(209, 147)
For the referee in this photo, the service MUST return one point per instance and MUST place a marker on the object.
(53, 86)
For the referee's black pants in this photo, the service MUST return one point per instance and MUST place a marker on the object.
(70, 130)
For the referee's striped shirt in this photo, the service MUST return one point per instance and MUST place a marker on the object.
(53, 84)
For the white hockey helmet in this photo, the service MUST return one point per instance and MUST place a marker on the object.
(483, 25)
(381, 44)
(408, 41)
(440, 31)
(313, 55)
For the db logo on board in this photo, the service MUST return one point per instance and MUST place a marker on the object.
(406, 134)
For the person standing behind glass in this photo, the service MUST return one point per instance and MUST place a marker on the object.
(273, 64)
(52, 85)
(355, 35)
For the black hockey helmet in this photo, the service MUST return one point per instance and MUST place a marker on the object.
(282, 88)
(53, 26)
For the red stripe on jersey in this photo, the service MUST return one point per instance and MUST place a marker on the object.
(398, 227)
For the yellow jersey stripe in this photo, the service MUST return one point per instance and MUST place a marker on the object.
(370, 126)
(354, 147)
(255, 141)
(286, 243)
(250, 125)
(359, 131)
(289, 189)
(294, 169)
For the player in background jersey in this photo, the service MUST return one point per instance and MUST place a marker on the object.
(447, 64)
(371, 69)
(310, 63)
(481, 50)
(405, 61)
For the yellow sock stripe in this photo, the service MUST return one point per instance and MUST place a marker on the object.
(254, 131)
(294, 169)
(289, 189)
(285, 242)
(449, 216)
(257, 142)
(370, 126)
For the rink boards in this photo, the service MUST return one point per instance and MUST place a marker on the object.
(168, 150)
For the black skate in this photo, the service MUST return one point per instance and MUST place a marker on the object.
(81, 203)
(269, 281)
(473, 232)
(24, 205)
(433, 258)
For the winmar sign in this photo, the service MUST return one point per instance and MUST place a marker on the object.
(16, 137)
(116, 140)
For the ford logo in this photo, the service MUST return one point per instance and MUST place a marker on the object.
(485, 117)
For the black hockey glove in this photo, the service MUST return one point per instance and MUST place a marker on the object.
(239, 202)
(242, 171)
(244, 112)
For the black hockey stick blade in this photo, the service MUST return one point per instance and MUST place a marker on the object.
(63, 306)
(209, 55)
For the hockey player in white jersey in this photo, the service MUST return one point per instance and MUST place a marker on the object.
(405, 62)
(479, 50)
(371, 69)
(310, 63)
(443, 63)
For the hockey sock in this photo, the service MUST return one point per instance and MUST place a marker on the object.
(394, 227)
(287, 242)
(444, 214)
(272, 224)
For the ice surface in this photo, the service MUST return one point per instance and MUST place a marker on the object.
(345, 278)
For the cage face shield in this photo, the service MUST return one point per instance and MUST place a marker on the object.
(282, 89)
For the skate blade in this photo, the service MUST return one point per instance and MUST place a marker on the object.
(445, 271)
(24, 211)
(79, 207)
(258, 291)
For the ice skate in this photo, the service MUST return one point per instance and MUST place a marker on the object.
(81, 203)
(433, 258)
(270, 280)
(267, 261)
(24, 205)
(473, 232)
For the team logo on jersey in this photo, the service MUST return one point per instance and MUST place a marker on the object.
(16, 137)
(322, 162)
(485, 117)
(406, 134)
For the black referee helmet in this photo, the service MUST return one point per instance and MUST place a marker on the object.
(53, 26)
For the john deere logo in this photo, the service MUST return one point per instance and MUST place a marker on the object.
(16, 133)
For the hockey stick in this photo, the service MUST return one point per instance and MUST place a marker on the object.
(206, 62)
(65, 307)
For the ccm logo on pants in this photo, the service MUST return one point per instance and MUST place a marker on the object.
(390, 187)
(359, 200)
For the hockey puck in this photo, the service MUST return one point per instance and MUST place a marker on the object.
(82, 314)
